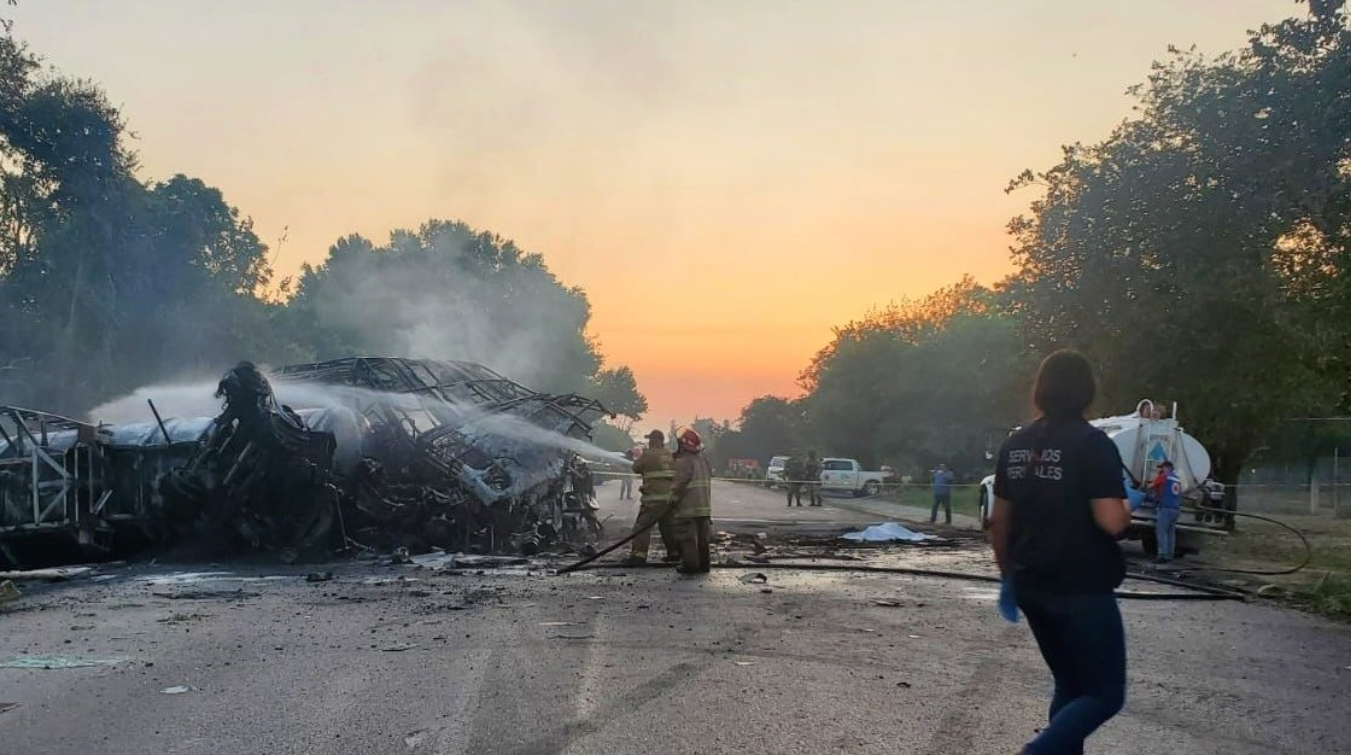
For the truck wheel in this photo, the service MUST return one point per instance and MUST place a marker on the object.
(871, 488)
(984, 509)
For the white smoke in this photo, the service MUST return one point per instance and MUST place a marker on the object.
(449, 293)
(189, 400)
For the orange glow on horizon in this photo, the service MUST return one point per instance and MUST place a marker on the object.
(727, 181)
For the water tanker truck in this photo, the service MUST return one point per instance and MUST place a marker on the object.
(1145, 440)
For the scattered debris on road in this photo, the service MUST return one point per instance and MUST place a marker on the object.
(49, 662)
(9, 592)
(206, 595)
(59, 574)
(177, 689)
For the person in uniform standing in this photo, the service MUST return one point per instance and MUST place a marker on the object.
(792, 480)
(1169, 501)
(693, 494)
(657, 468)
(1058, 509)
(811, 476)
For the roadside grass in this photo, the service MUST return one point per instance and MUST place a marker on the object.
(1323, 587)
(965, 498)
(1330, 596)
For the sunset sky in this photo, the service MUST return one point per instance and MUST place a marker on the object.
(727, 180)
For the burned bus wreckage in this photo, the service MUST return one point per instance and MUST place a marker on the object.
(358, 453)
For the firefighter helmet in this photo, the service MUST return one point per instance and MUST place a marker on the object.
(689, 439)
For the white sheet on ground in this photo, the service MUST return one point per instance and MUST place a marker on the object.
(887, 532)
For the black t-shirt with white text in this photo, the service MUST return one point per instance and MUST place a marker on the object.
(1050, 472)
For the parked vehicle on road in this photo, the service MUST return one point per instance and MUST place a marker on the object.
(850, 476)
(774, 472)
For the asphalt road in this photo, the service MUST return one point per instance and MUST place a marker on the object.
(398, 659)
(745, 507)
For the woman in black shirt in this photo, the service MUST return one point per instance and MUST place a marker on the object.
(1059, 506)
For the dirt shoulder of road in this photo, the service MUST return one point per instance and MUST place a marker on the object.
(1323, 586)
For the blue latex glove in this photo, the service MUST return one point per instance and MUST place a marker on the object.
(1008, 607)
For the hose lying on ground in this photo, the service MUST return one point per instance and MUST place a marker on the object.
(1200, 592)
(1308, 548)
(618, 545)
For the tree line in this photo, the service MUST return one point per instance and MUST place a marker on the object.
(1199, 254)
(109, 282)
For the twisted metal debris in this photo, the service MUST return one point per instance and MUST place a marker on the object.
(368, 452)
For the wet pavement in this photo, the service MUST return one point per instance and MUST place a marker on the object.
(235, 659)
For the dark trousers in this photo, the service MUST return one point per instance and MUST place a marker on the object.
(794, 492)
(694, 551)
(661, 513)
(1165, 532)
(1082, 639)
(944, 500)
(814, 493)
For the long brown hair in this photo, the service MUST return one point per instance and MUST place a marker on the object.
(1065, 386)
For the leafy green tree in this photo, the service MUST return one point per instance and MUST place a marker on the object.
(769, 426)
(936, 380)
(447, 291)
(611, 438)
(618, 390)
(108, 283)
(1200, 251)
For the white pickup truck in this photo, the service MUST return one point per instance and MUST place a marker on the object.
(848, 475)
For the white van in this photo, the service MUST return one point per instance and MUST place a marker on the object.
(774, 472)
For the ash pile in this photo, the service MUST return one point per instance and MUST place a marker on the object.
(357, 453)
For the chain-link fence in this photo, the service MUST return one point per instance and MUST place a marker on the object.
(1320, 487)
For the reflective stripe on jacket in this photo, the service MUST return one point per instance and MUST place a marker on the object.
(657, 467)
(693, 487)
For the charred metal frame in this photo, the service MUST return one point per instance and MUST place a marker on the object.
(430, 462)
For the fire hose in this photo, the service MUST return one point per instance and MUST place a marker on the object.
(1304, 562)
(1199, 592)
(1308, 548)
(615, 546)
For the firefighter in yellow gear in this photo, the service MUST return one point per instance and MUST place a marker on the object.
(657, 468)
(693, 493)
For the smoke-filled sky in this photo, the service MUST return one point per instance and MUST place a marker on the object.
(727, 178)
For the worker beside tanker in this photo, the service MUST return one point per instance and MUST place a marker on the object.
(1169, 503)
(657, 468)
(693, 493)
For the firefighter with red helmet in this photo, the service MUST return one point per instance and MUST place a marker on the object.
(692, 492)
